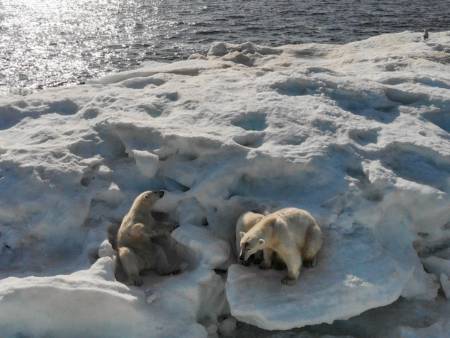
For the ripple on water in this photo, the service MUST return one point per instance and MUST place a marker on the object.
(48, 43)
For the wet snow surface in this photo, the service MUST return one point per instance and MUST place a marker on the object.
(350, 273)
(357, 134)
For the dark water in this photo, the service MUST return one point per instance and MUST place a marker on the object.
(46, 43)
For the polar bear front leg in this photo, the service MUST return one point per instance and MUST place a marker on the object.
(130, 264)
(267, 262)
(293, 261)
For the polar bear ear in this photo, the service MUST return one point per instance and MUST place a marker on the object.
(261, 241)
(242, 234)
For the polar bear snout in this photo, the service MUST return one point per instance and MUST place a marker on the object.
(153, 195)
(246, 252)
(243, 252)
(149, 197)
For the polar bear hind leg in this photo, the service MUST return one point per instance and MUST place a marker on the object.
(313, 244)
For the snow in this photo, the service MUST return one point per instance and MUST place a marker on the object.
(227, 327)
(352, 269)
(357, 134)
(86, 303)
(146, 162)
(210, 251)
(106, 249)
(437, 265)
(445, 284)
(439, 329)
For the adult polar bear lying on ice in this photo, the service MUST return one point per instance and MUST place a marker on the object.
(292, 233)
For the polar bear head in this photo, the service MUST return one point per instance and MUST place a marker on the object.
(147, 199)
(251, 242)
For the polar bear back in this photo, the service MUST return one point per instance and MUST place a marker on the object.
(294, 224)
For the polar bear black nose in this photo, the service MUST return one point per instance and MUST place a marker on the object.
(160, 193)
(242, 257)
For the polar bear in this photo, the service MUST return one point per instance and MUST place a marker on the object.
(244, 223)
(292, 233)
(136, 249)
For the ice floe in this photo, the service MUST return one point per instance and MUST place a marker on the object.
(353, 274)
(357, 134)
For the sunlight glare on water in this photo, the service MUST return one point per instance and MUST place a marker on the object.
(46, 43)
(54, 42)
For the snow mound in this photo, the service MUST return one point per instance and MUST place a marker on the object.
(357, 134)
(353, 274)
(439, 329)
(91, 303)
(210, 251)
(87, 303)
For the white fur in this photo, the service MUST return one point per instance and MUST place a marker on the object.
(135, 247)
(292, 233)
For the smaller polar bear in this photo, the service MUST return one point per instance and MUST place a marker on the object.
(244, 223)
(136, 249)
(291, 233)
